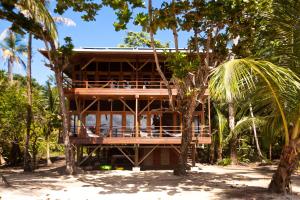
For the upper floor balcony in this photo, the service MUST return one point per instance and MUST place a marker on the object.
(118, 88)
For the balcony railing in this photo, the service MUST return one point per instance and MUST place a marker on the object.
(143, 132)
(140, 84)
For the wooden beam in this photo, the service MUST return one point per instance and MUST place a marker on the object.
(125, 155)
(127, 105)
(176, 149)
(89, 62)
(147, 154)
(131, 65)
(146, 106)
(145, 63)
(89, 155)
(89, 105)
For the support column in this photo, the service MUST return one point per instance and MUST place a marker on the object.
(79, 152)
(136, 156)
(136, 167)
(193, 155)
(136, 116)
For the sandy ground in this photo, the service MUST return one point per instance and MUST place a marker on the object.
(209, 182)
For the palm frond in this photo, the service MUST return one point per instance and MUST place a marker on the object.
(36, 10)
(244, 125)
(222, 123)
(236, 79)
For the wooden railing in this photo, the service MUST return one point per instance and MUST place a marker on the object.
(144, 132)
(139, 84)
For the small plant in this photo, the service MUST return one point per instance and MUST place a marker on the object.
(224, 162)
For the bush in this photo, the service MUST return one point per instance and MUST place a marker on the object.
(224, 162)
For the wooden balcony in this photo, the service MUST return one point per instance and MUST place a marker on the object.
(169, 135)
(118, 88)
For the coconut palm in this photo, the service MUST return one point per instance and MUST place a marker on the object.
(275, 93)
(12, 50)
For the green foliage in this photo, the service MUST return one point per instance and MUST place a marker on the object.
(89, 8)
(123, 10)
(67, 48)
(46, 121)
(140, 39)
(224, 162)
(181, 64)
(31, 16)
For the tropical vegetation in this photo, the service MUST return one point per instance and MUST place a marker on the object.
(245, 52)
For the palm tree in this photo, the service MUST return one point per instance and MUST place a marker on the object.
(12, 50)
(27, 166)
(275, 92)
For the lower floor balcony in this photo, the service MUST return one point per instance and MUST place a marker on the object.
(146, 135)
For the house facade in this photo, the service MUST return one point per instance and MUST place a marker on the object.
(118, 109)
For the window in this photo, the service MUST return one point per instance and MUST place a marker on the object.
(73, 124)
(116, 125)
(104, 124)
(90, 123)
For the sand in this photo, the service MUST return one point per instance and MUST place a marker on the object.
(208, 182)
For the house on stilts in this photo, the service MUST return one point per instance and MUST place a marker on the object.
(118, 109)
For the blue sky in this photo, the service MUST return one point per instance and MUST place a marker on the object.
(99, 33)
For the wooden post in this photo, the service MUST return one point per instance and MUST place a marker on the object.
(136, 116)
(79, 153)
(136, 156)
(193, 155)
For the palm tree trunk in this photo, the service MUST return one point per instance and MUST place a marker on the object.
(48, 150)
(255, 133)
(234, 139)
(27, 166)
(281, 180)
(9, 71)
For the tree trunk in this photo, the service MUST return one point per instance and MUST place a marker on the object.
(188, 106)
(15, 152)
(255, 133)
(212, 150)
(234, 140)
(2, 161)
(48, 150)
(9, 71)
(281, 180)
(69, 149)
(158, 68)
(34, 152)
(219, 152)
(270, 151)
(27, 166)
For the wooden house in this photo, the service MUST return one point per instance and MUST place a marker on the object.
(118, 107)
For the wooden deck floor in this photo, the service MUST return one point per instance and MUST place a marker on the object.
(128, 140)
